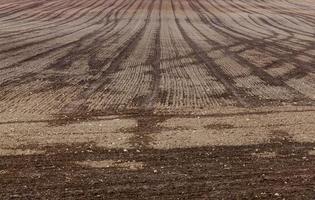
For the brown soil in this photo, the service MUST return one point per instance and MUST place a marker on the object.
(157, 99)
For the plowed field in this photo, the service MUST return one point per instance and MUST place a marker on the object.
(157, 99)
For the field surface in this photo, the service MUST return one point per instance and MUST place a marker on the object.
(157, 99)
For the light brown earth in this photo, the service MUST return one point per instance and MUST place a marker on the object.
(157, 99)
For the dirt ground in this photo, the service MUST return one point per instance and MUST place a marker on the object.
(157, 99)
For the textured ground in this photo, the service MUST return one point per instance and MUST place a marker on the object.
(164, 99)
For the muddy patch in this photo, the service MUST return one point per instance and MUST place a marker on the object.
(219, 126)
(280, 136)
(142, 133)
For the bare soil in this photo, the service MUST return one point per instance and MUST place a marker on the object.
(157, 99)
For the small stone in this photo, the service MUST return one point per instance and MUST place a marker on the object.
(277, 194)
